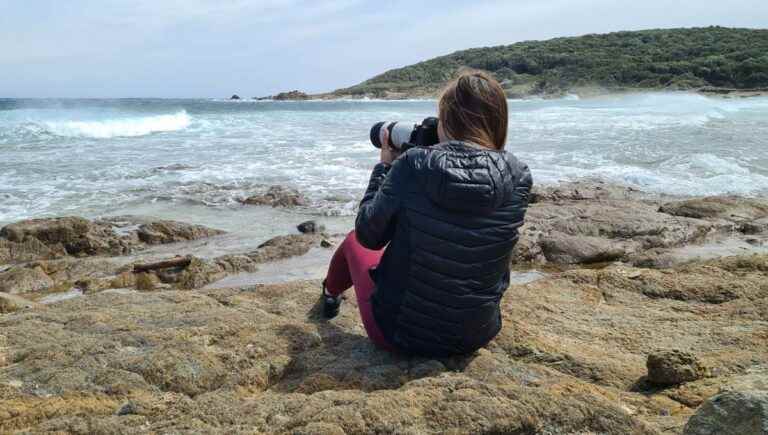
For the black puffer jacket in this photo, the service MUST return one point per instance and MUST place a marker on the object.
(450, 214)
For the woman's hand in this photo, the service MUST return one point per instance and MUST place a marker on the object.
(388, 154)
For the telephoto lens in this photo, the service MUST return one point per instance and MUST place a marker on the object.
(403, 135)
(376, 134)
(399, 133)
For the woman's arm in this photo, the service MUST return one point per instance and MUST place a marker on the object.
(375, 224)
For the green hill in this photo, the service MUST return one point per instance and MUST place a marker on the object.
(712, 57)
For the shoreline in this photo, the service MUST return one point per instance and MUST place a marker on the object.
(138, 322)
(583, 92)
(586, 222)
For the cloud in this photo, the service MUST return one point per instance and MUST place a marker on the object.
(216, 47)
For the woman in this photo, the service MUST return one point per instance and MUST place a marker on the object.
(449, 217)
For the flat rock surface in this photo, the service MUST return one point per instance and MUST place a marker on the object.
(570, 358)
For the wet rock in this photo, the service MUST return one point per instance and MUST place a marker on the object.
(731, 413)
(199, 274)
(47, 239)
(236, 263)
(729, 208)
(564, 249)
(278, 196)
(325, 243)
(281, 247)
(310, 227)
(163, 232)
(76, 236)
(24, 280)
(674, 367)
(234, 97)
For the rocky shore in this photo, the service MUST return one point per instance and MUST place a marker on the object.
(646, 314)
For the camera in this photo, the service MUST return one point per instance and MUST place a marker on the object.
(403, 136)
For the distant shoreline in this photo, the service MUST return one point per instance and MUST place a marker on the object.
(581, 92)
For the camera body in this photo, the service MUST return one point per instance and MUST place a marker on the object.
(403, 136)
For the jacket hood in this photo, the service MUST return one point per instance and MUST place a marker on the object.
(464, 178)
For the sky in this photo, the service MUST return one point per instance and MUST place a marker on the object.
(214, 48)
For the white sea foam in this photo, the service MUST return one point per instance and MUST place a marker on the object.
(671, 143)
(123, 127)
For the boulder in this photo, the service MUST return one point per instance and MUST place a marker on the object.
(310, 227)
(24, 280)
(280, 247)
(593, 231)
(673, 367)
(565, 249)
(74, 235)
(731, 413)
(278, 196)
(234, 97)
(729, 208)
(163, 232)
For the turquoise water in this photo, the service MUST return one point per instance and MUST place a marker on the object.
(192, 159)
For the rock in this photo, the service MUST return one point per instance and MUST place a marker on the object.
(310, 227)
(564, 249)
(129, 408)
(225, 360)
(28, 249)
(163, 232)
(199, 274)
(731, 413)
(291, 96)
(278, 196)
(757, 226)
(572, 346)
(69, 236)
(589, 190)
(234, 97)
(24, 280)
(280, 247)
(147, 281)
(653, 259)
(325, 243)
(729, 208)
(575, 231)
(673, 367)
(190, 371)
(10, 303)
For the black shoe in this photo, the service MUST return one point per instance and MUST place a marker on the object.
(331, 304)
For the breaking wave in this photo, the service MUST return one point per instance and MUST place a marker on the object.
(126, 127)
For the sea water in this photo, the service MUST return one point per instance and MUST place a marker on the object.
(192, 160)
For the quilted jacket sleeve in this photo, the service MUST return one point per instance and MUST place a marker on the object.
(375, 224)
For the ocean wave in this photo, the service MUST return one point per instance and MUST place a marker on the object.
(125, 127)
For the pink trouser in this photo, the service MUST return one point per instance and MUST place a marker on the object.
(349, 267)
